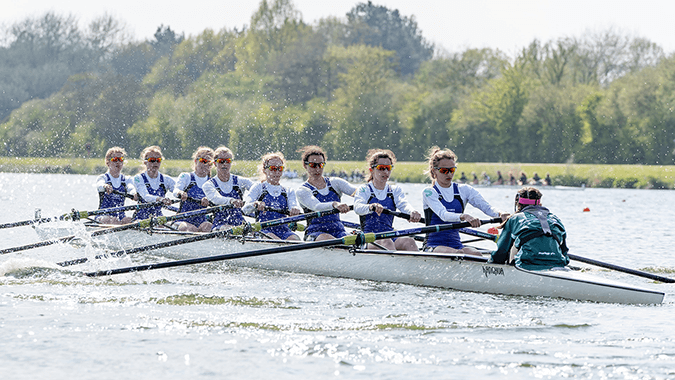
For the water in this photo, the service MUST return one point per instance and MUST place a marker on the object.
(220, 321)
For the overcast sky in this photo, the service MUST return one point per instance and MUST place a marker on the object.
(508, 25)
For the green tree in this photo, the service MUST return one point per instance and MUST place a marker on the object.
(487, 125)
(376, 25)
(363, 111)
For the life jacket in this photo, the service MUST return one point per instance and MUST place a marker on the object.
(541, 214)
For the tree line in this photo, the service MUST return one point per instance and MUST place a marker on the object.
(349, 84)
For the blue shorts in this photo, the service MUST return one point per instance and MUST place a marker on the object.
(313, 235)
(282, 231)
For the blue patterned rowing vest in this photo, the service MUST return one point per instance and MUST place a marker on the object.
(145, 213)
(448, 238)
(195, 192)
(329, 224)
(106, 200)
(385, 222)
(233, 216)
(279, 202)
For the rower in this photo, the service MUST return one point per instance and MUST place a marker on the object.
(269, 195)
(376, 195)
(189, 190)
(532, 238)
(321, 193)
(226, 189)
(113, 187)
(151, 185)
(444, 202)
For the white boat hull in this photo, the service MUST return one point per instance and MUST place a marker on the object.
(460, 272)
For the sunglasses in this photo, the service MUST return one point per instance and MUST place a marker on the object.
(315, 164)
(117, 159)
(275, 168)
(203, 160)
(223, 160)
(154, 159)
(383, 167)
(446, 170)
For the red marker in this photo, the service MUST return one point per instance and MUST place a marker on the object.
(493, 230)
(587, 209)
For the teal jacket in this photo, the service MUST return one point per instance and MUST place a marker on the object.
(539, 237)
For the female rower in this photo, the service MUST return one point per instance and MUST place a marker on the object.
(532, 236)
(226, 189)
(376, 195)
(321, 193)
(113, 187)
(269, 195)
(444, 202)
(151, 185)
(189, 190)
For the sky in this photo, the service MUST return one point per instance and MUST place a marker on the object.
(453, 25)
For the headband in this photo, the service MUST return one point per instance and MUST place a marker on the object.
(526, 201)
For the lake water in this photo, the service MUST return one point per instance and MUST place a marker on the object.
(220, 321)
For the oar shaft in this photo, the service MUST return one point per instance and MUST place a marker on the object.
(140, 224)
(621, 269)
(78, 215)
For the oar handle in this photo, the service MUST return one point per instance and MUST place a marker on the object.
(401, 215)
(126, 195)
(85, 214)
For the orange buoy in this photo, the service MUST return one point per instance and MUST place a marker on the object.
(493, 230)
(587, 209)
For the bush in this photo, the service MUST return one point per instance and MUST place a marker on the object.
(626, 183)
(569, 180)
(656, 183)
(607, 182)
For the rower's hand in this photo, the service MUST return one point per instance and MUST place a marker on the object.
(238, 203)
(260, 205)
(343, 208)
(204, 202)
(504, 216)
(294, 211)
(108, 188)
(475, 222)
(415, 217)
(183, 196)
(378, 208)
(136, 197)
(166, 201)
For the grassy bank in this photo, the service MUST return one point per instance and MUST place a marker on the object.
(620, 176)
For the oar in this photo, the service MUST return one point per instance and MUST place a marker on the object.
(145, 223)
(621, 269)
(587, 260)
(75, 215)
(238, 230)
(467, 231)
(358, 239)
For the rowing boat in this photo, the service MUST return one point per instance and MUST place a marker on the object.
(451, 271)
